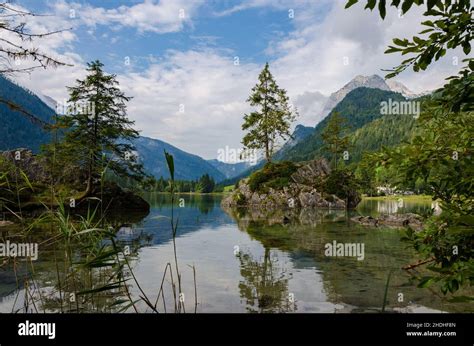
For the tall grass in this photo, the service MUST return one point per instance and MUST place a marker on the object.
(92, 272)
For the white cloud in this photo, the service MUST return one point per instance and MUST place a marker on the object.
(164, 16)
(195, 100)
(308, 62)
(58, 46)
(312, 57)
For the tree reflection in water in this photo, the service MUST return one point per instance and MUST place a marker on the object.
(264, 284)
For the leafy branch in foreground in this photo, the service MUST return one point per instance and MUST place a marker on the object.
(451, 27)
(442, 155)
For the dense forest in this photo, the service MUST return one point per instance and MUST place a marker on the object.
(24, 118)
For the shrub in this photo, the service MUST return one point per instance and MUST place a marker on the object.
(341, 182)
(272, 175)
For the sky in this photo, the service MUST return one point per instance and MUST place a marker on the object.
(190, 65)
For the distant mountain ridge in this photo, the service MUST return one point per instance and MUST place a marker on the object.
(19, 132)
(17, 129)
(230, 170)
(359, 107)
(187, 166)
(373, 81)
(402, 89)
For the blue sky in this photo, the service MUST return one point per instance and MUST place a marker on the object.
(181, 71)
(245, 33)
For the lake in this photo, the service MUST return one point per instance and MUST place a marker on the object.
(237, 261)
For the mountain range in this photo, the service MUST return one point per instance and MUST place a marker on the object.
(358, 101)
(359, 107)
(19, 131)
(187, 166)
(373, 82)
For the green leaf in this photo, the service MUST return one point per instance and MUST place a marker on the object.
(170, 163)
(370, 4)
(466, 47)
(425, 31)
(431, 4)
(461, 299)
(26, 180)
(382, 8)
(426, 282)
(400, 42)
(428, 23)
(406, 6)
(350, 3)
(471, 65)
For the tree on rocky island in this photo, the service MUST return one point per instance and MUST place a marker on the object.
(97, 131)
(273, 118)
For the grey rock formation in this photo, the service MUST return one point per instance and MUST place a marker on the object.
(373, 81)
(29, 163)
(301, 192)
(392, 220)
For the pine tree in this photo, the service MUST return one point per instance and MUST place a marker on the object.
(273, 118)
(334, 138)
(206, 183)
(97, 130)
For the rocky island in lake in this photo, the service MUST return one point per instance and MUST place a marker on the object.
(288, 185)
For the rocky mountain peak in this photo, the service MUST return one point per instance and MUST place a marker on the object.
(373, 81)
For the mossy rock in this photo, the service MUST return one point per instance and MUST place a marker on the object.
(272, 175)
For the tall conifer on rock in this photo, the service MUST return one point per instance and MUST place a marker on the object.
(97, 129)
(273, 117)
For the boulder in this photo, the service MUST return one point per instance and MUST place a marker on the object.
(30, 164)
(411, 220)
(303, 191)
(114, 198)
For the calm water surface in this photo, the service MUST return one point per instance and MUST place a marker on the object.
(246, 263)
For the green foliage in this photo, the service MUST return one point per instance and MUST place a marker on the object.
(97, 134)
(273, 118)
(272, 175)
(359, 108)
(388, 131)
(340, 182)
(16, 189)
(449, 241)
(18, 130)
(335, 139)
(170, 163)
(206, 184)
(442, 156)
(450, 26)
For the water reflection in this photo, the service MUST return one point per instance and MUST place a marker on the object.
(280, 266)
(264, 284)
(375, 207)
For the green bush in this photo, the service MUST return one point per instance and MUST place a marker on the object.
(341, 182)
(272, 175)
